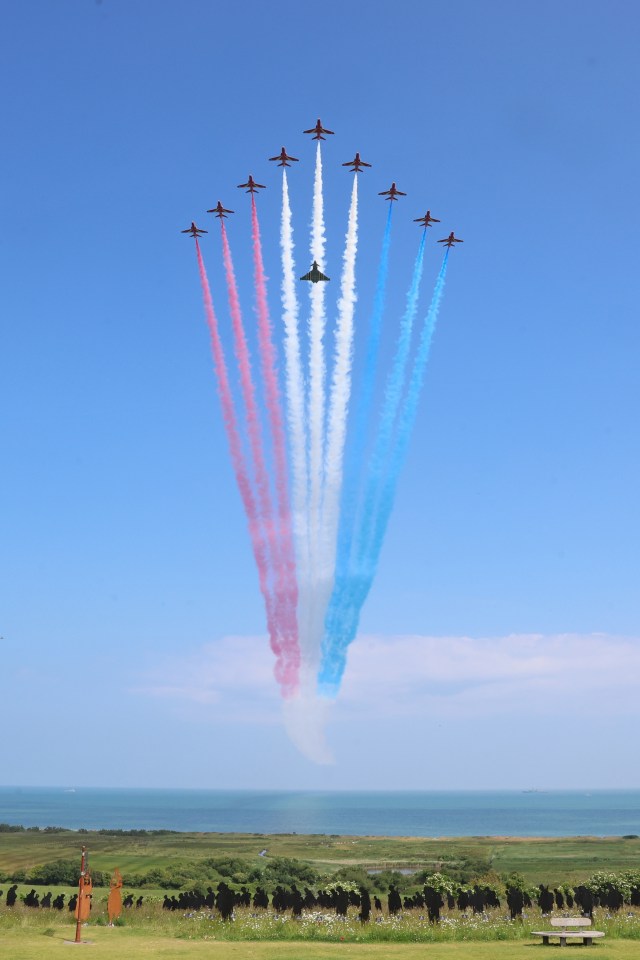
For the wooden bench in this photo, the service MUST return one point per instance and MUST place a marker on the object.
(569, 928)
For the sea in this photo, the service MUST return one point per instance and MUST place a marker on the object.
(528, 813)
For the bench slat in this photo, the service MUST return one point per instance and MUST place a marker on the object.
(570, 922)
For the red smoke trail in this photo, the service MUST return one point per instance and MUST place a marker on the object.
(283, 672)
(267, 514)
(269, 372)
(249, 398)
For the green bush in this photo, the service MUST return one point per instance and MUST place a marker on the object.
(282, 870)
(388, 878)
(357, 875)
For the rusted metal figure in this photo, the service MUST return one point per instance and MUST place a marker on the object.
(114, 903)
(85, 891)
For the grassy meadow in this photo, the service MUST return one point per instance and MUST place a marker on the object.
(556, 860)
(122, 942)
(263, 935)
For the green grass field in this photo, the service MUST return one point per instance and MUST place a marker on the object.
(132, 945)
(314, 926)
(549, 860)
(151, 931)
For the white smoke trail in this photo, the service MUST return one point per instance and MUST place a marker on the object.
(295, 411)
(309, 642)
(305, 719)
(339, 401)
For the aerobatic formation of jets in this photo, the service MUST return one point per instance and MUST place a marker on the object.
(356, 165)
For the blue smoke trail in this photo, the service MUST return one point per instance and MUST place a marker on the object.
(333, 670)
(392, 398)
(354, 548)
(356, 450)
(409, 412)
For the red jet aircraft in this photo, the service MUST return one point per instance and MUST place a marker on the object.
(220, 211)
(356, 164)
(427, 220)
(251, 185)
(283, 157)
(450, 240)
(194, 231)
(318, 130)
(392, 193)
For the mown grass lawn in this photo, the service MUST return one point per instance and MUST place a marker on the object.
(128, 944)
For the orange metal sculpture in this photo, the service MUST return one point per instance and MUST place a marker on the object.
(114, 903)
(85, 891)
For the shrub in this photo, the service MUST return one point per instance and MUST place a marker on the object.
(287, 872)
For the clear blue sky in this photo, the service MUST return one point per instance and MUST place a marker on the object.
(125, 562)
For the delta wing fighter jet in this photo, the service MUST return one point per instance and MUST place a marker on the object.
(314, 274)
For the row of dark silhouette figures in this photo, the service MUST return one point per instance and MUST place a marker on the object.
(477, 899)
(284, 899)
(33, 899)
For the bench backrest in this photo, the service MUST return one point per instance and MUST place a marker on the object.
(570, 922)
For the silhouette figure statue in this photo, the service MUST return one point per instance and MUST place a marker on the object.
(31, 899)
(365, 905)
(394, 902)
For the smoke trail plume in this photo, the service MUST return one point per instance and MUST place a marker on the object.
(286, 585)
(392, 398)
(355, 456)
(409, 410)
(254, 430)
(335, 665)
(305, 719)
(337, 420)
(361, 564)
(309, 642)
(295, 391)
(282, 670)
(249, 397)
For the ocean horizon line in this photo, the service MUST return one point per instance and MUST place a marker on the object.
(325, 791)
(518, 812)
